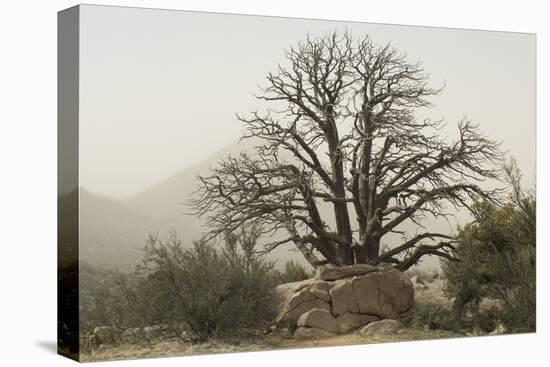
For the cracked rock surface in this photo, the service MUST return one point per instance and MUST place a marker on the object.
(341, 299)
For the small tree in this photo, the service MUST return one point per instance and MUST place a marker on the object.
(339, 129)
(498, 253)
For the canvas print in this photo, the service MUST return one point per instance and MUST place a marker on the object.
(244, 183)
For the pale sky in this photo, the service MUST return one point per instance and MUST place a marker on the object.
(159, 89)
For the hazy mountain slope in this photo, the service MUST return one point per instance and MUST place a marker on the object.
(164, 201)
(112, 235)
(113, 231)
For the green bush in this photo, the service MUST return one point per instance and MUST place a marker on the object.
(206, 291)
(293, 272)
(520, 301)
(497, 253)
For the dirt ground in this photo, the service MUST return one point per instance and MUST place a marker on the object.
(271, 342)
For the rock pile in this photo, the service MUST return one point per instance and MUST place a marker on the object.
(340, 299)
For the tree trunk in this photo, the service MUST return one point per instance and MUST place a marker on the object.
(341, 214)
(373, 248)
(458, 309)
(360, 255)
(346, 256)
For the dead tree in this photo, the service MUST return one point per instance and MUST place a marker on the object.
(340, 130)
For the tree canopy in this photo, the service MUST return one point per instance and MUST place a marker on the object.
(339, 129)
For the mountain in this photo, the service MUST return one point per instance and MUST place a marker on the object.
(112, 235)
(164, 201)
(113, 231)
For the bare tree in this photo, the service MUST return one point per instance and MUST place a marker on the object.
(340, 130)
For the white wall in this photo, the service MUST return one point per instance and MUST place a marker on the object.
(28, 182)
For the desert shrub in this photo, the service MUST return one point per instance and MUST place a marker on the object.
(519, 311)
(438, 317)
(206, 291)
(110, 307)
(497, 258)
(192, 293)
(101, 298)
(431, 315)
(487, 319)
(293, 272)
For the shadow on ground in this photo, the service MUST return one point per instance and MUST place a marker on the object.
(49, 346)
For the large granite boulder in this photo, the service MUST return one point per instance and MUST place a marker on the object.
(320, 319)
(350, 321)
(297, 304)
(341, 299)
(338, 272)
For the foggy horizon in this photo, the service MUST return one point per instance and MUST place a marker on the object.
(147, 103)
(155, 181)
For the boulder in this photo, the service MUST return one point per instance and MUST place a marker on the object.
(382, 327)
(320, 319)
(356, 296)
(366, 294)
(349, 321)
(386, 293)
(334, 273)
(299, 303)
(343, 297)
(320, 289)
(283, 292)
